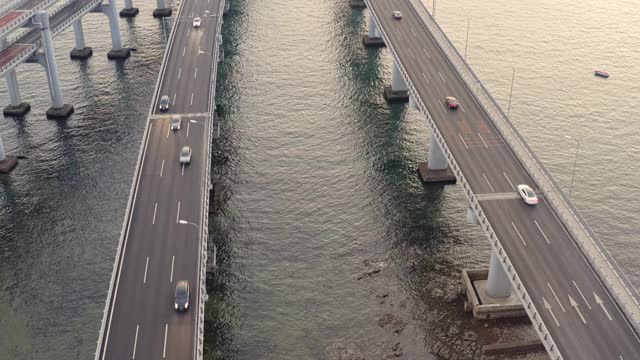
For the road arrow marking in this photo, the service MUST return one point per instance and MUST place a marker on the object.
(574, 304)
(548, 307)
(601, 303)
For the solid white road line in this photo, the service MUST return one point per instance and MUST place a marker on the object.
(543, 234)
(184, 50)
(411, 53)
(144, 281)
(191, 99)
(189, 123)
(574, 304)
(155, 209)
(178, 214)
(135, 342)
(485, 144)
(583, 298)
(442, 77)
(601, 303)
(442, 106)
(510, 183)
(189, 31)
(164, 350)
(168, 132)
(518, 232)
(182, 169)
(162, 168)
(414, 32)
(556, 296)
(548, 307)
(179, 72)
(174, 100)
(195, 73)
(425, 78)
(171, 276)
(426, 53)
(488, 183)
(463, 142)
(462, 108)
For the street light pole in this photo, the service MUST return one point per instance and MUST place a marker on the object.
(513, 75)
(215, 249)
(575, 162)
(467, 41)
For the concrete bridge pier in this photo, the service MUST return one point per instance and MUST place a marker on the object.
(80, 51)
(129, 11)
(16, 107)
(162, 10)
(373, 38)
(117, 52)
(436, 168)
(398, 91)
(58, 109)
(498, 284)
(7, 163)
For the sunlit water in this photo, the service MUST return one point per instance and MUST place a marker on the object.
(320, 173)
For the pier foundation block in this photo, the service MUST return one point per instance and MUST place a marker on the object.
(120, 54)
(160, 13)
(369, 41)
(81, 54)
(397, 96)
(62, 112)
(358, 4)
(129, 13)
(17, 110)
(8, 164)
(430, 176)
(484, 306)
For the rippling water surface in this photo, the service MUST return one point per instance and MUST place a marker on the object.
(319, 171)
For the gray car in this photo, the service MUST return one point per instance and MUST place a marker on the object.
(181, 298)
(185, 155)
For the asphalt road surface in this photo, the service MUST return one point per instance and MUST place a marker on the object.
(577, 309)
(158, 250)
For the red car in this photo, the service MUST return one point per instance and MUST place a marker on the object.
(452, 102)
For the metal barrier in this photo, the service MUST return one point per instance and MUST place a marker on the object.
(132, 193)
(206, 186)
(620, 287)
(475, 205)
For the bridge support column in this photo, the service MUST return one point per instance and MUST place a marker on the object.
(16, 107)
(129, 11)
(117, 52)
(498, 285)
(373, 38)
(7, 162)
(162, 10)
(436, 168)
(58, 109)
(471, 217)
(397, 92)
(80, 52)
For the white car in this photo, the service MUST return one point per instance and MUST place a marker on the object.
(196, 22)
(175, 122)
(528, 195)
(397, 15)
(185, 155)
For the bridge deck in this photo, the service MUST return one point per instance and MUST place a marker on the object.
(577, 309)
(157, 250)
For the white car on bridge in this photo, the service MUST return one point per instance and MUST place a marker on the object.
(197, 22)
(528, 195)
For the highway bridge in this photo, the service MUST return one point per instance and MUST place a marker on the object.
(164, 235)
(578, 299)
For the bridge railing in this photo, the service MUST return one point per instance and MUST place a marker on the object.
(132, 194)
(206, 186)
(519, 288)
(600, 259)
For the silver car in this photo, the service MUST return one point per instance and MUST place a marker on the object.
(185, 155)
(175, 122)
(164, 103)
(196, 22)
